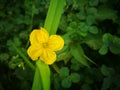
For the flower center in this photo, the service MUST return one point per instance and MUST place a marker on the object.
(45, 45)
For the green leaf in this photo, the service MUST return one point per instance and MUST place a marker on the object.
(64, 71)
(66, 83)
(75, 67)
(85, 87)
(91, 11)
(54, 14)
(35, 10)
(103, 50)
(83, 26)
(73, 24)
(90, 19)
(24, 35)
(106, 83)
(75, 77)
(81, 3)
(17, 41)
(83, 33)
(106, 71)
(94, 41)
(78, 53)
(112, 42)
(44, 73)
(37, 83)
(81, 15)
(106, 38)
(4, 57)
(114, 46)
(103, 1)
(93, 2)
(57, 84)
(106, 13)
(93, 29)
(83, 29)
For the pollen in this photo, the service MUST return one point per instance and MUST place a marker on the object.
(45, 45)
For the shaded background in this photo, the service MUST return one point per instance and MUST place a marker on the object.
(89, 25)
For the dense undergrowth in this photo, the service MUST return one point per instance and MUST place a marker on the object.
(91, 56)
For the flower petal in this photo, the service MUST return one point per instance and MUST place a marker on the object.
(55, 42)
(34, 52)
(38, 36)
(48, 56)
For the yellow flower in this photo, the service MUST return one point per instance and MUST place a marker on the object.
(44, 46)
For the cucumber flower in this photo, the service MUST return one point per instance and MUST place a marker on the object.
(44, 46)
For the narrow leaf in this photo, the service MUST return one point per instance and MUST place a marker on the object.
(44, 72)
(53, 16)
(78, 54)
(37, 84)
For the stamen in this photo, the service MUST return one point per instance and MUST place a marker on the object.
(45, 45)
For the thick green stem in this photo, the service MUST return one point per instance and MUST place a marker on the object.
(41, 77)
(37, 83)
(44, 72)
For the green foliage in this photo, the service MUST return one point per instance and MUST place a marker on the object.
(93, 30)
(103, 50)
(64, 72)
(75, 65)
(78, 54)
(108, 81)
(111, 42)
(4, 57)
(90, 57)
(106, 13)
(18, 18)
(42, 76)
(106, 71)
(93, 2)
(66, 83)
(85, 87)
(75, 77)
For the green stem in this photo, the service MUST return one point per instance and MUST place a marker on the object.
(56, 68)
(37, 83)
(41, 77)
(20, 52)
(44, 72)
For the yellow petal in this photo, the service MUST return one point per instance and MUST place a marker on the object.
(48, 56)
(55, 42)
(34, 52)
(38, 36)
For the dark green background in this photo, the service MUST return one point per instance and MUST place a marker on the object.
(91, 29)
